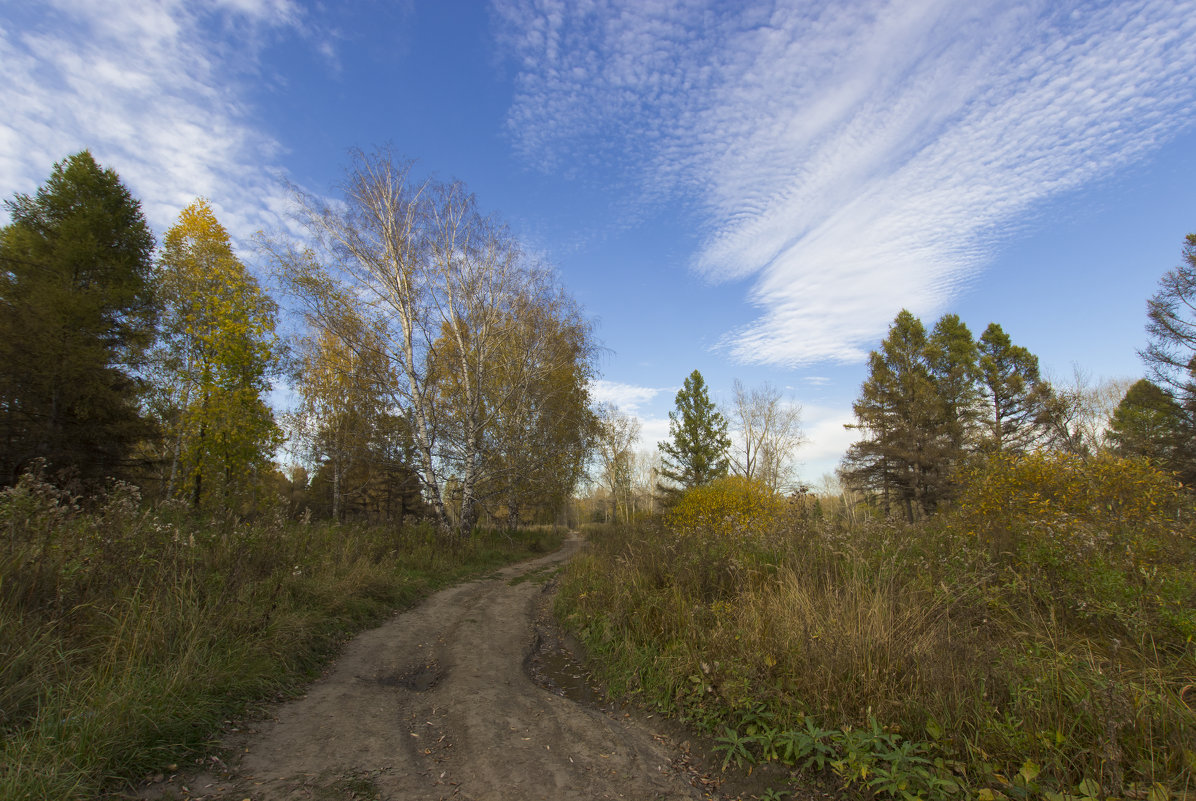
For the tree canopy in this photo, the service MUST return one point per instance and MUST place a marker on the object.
(932, 400)
(492, 360)
(77, 312)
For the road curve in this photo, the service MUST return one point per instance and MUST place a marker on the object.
(436, 704)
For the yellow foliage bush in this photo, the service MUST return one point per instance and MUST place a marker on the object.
(1124, 503)
(732, 506)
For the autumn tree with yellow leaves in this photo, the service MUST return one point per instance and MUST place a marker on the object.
(216, 354)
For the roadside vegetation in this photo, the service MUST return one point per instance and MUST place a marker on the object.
(160, 569)
(129, 634)
(1035, 641)
(995, 598)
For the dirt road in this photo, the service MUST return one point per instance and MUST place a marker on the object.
(437, 704)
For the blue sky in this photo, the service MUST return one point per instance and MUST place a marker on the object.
(750, 189)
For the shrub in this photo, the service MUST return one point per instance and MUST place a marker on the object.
(732, 506)
(1123, 505)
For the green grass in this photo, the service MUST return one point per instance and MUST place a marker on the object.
(128, 634)
(919, 661)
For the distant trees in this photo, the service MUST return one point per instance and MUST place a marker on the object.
(216, 355)
(698, 448)
(77, 313)
(617, 435)
(769, 429)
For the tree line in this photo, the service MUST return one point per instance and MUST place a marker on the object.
(755, 437)
(440, 370)
(934, 400)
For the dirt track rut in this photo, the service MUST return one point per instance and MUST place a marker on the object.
(436, 704)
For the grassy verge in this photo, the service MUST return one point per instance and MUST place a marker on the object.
(127, 634)
(1036, 642)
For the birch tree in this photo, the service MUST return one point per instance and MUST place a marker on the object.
(342, 405)
(769, 430)
(439, 286)
(617, 433)
(537, 391)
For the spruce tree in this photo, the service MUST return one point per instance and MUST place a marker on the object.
(698, 448)
(77, 313)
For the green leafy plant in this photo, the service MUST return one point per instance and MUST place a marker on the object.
(734, 748)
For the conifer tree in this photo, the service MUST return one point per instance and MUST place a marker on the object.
(1171, 352)
(1016, 398)
(698, 448)
(77, 313)
(919, 414)
(900, 412)
(953, 357)
(1149, 423)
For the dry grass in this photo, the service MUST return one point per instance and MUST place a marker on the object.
(128, 634)
(1064, 658)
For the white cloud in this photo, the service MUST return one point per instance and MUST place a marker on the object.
(154, 90)
(628, 397)
(852, 157)
(653, 430)
(825, 435)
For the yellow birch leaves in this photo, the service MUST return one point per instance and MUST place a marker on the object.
(220, 348)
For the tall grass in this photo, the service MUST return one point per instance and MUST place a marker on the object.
(1036, 640)
(128, 634)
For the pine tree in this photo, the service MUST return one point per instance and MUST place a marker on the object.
(77, 313)
(918, 411)
(1017, 400)
(1171, 353)
(900, 412)
(698, 448)
(1149, 423)
(953, 357)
